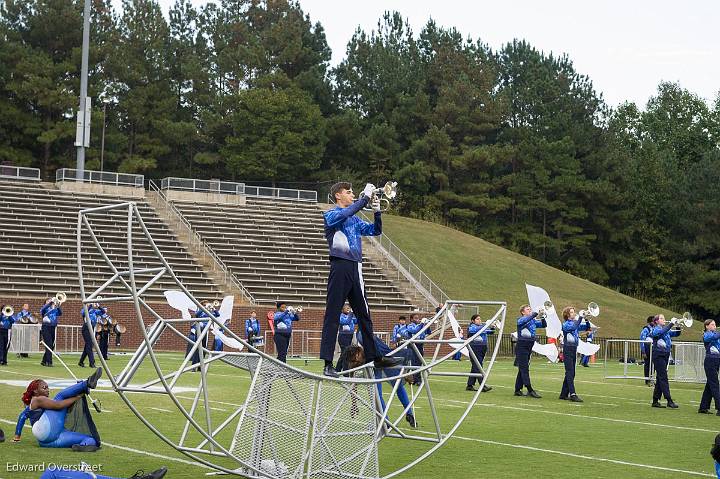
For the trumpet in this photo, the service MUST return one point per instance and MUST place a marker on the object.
(592, 310)
(294, 310)
(385, 194)
(59, 298)
(542, 312)
(8, 310)
(686, 321)
(216, 304)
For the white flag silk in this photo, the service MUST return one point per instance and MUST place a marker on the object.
(536, 298)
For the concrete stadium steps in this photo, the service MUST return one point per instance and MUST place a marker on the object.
(277, 250)
(38, 251)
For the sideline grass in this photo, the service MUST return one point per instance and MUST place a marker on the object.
(467, 267)
(591, 440)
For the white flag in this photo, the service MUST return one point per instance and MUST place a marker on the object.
(537, 297)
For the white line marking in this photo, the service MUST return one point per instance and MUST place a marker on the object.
(160, 409)
(578, 456)
(136, 451)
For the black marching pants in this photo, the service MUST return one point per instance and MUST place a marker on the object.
(646, 363)
(662, 385)
(346, 283)
(568, 386)
(523, 350)
(282, 342)
(712, 386)
(88, 347)
(4, 336)
(479, 350)
(48, 336)
(104, 343)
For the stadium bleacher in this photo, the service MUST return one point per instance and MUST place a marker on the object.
(276, 248)
(38, 244)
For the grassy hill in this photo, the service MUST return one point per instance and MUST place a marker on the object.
(466, 267)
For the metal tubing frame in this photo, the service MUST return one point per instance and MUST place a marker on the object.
(131, 285)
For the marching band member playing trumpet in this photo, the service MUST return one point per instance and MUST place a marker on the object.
(526, 326)
(283, 320)
(344, 232)
(645, 347)
(87, 333)
(50, 314)
(711, 340)
(6, 321)
(661, 334)
(571, 326)
(479, 348)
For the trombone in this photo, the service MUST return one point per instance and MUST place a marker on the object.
(386, 193)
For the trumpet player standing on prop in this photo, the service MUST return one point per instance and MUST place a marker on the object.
(661, 334)
(283, 319)
(711, 340)
(6, 322)
(571, 326)
(50, 314)
(344, 232)
(526, 326)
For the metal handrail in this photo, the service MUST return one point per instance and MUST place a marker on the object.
(102, 177)
(234, 188)
(197, 240)
(432, 293)
(19, 173)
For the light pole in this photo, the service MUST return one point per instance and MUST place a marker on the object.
(82, 136)
(102, 139)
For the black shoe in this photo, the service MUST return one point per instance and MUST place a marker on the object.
(93, 378)
(575, 398)
(657, 404)
(2, 436)
(43, 364)
(470, 388)
(153, 475)
(534, 394)
(79, 448)
(586, 365)
(387, 362)
(704, 411)
(672, 405)
(519, 393)
(330, 372)
(564, 398)
(82, 365)
(486, 388)
(411, 420)
(718, 413)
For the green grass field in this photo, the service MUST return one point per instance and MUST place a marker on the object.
(467, 267)
(614, 434)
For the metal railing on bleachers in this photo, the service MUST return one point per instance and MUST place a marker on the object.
(233, 188)
(19, 173)
(101, 177)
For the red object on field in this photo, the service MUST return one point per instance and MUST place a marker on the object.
(271, 320)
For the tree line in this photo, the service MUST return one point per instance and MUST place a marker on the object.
(513, 145)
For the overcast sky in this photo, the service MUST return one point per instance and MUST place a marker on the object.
(625, 47)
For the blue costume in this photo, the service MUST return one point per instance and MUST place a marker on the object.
(645, 349)
(571, 339)
(6, 323)
(479, 347)
(711, 340)
(104, 334)
(50, 314)
(584, 360)
(87, 333)
(283, 331)
(196, 329)
(347, 330)
(252, 328)
(416, 357)
(661, 354)
(526, 326)
(48, 425)
(343, 232)
(383, 349)
(400, 334)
